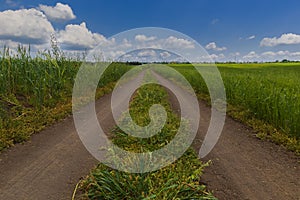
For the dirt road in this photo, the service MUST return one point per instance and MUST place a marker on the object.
(50, 165)
(244, 167)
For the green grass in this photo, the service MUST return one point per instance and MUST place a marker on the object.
(180, 180)
(37, 91)
(266, 96)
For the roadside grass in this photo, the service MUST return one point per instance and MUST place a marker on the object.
(179, 180)
(30, 120)
(264, 96)
(36, 92)
(264, 130)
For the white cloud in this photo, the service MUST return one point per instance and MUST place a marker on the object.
(10, 44)
(147, 53)
(251, 55)
(288, 38)
(28, 26)
(216, 57)
(144, 38)
(125, 44)
(174, 42)
(114, 54)
(274, 54)
(165, 54)
(213, 56)
(78, 37)
(169, 42)
(269, 54)
(152, 44)
(213, 46)
(221, 56)
(296, 54)
(251, 37)
(235, 54)
(60, 12)
(281, 55)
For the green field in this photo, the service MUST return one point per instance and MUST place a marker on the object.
(269, 92)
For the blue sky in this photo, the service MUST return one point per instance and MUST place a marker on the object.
(231, 29)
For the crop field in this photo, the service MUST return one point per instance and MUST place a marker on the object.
(269, 92)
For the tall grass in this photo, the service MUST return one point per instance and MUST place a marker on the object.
(34, 90)
(270, 92)
(36, 81)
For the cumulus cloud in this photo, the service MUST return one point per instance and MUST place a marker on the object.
(296, 54)
(29, 26)
(269, 54)
(175, 42)
(60, 12)
(287, 39)
(165, 54)
(213, 46)
(9, 43)
(281, 55)
(221, 56)
(214, 57)
(251, 56)
(78, 37)
(114, 54)
(235, 54)
(272, 56)
(144, 38)
(157, 43)
(125, 43)
(147, 53)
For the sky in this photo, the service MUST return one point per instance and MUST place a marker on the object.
(229, 30)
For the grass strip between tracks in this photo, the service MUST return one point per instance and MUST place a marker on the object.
(180, 180)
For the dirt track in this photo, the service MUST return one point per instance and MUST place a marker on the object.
(50, 165)
(244, 167)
